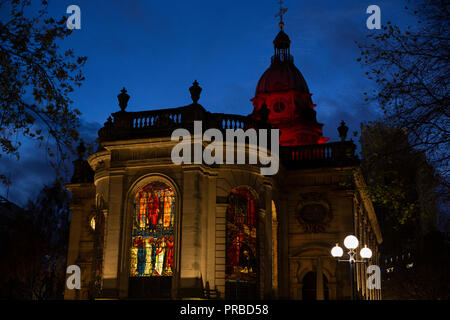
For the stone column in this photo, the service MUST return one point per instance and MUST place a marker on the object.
(113, 239)
(80, 244)
(220, 247)
(319, 280)
(191, 231)
(261, 254)
(295, 284)
(211, 234)
(268, 242)
(274, 254)
(203, 204)
(74, 243)
(284, 250)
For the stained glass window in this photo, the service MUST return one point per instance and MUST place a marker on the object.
(153, 231)
(241, 262)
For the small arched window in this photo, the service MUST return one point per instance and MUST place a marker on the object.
(152, 243)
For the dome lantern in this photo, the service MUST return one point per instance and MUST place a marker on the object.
(284, 92)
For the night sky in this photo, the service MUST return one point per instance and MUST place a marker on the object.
(156, 49)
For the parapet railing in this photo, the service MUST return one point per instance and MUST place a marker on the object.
(155, 123)
(318, 155)
(160, 123)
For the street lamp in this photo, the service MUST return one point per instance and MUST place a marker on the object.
(351, 243)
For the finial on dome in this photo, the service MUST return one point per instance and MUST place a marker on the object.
(280, 14)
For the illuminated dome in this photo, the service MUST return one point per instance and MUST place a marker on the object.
(282, 75)
(283, 92)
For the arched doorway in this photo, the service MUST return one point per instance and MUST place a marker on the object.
(241, 274)
(152, 245)
(309, 289)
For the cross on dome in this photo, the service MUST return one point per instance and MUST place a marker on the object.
(280, 14)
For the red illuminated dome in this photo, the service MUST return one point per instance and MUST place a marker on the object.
(281, 75)
(283, 90)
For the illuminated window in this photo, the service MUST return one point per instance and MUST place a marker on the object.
(92, 223)
(153, 231)
(241, 256)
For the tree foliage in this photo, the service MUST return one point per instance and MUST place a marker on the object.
(411, 68)
(36, 79)
(401, 183)
(35, 248)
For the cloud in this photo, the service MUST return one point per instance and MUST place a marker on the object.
(32, 171)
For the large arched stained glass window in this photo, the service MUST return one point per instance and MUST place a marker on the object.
(241, 256)
(153, 231)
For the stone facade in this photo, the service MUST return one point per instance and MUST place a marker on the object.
(290, 245)
(314, 201)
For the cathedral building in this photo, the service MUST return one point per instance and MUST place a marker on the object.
(143, 227)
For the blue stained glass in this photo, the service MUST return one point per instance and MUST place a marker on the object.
(151, 253)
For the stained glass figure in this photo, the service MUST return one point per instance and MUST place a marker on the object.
(241, 237)
(151, 253)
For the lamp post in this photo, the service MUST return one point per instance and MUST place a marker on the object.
(351, 243)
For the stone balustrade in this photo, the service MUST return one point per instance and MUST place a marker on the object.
(161, 123)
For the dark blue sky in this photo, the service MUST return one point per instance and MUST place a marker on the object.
(156, 49)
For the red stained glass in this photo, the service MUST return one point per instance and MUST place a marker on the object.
(241, 262)
(151, 253)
